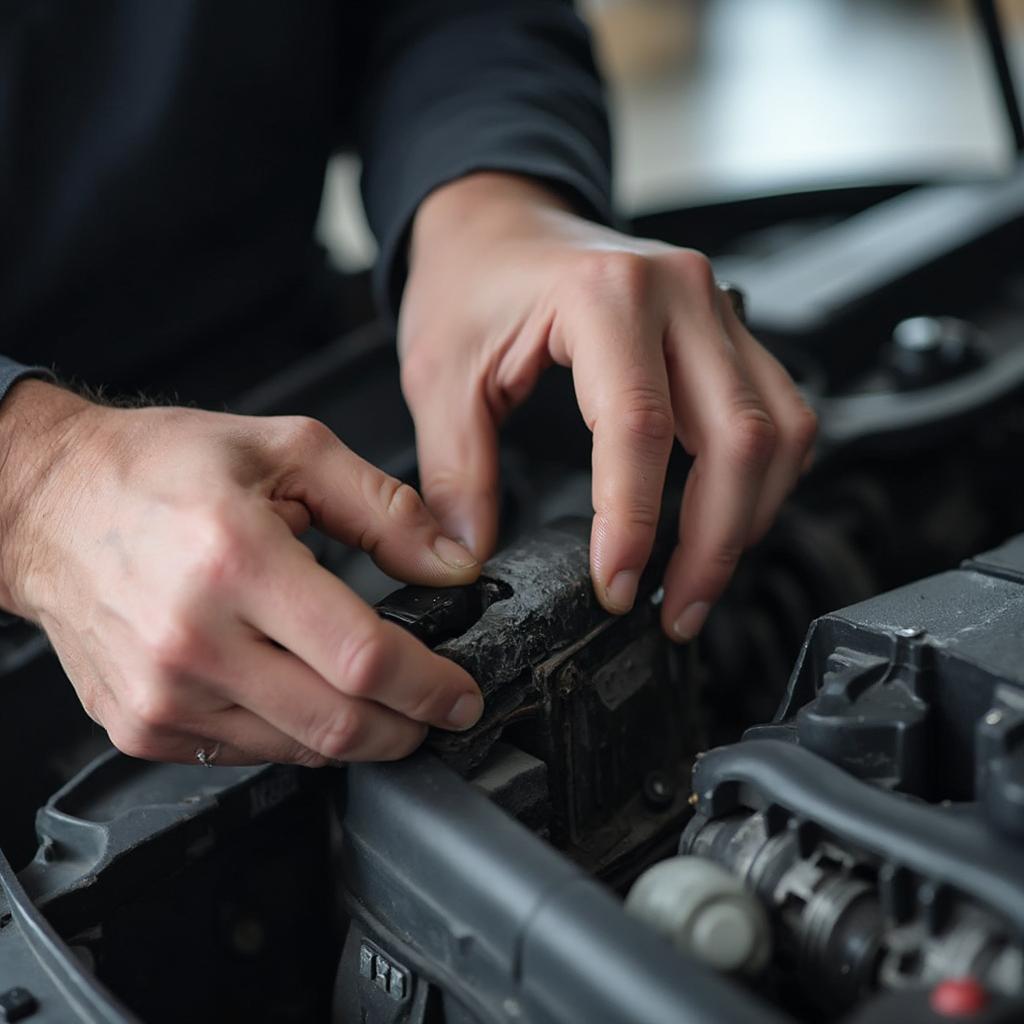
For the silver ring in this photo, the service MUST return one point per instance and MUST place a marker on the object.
(206, 758)
(736, 299)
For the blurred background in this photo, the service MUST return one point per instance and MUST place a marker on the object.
(715, 99)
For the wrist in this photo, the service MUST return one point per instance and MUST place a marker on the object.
(486, 204)
(41, 427)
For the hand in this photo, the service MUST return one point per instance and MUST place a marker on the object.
(503, 281)
(157, 548)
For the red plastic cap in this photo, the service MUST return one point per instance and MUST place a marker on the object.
(959, 997)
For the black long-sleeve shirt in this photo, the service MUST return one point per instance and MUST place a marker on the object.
(161, 161)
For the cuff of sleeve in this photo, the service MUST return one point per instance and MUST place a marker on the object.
(10, 373)
(511, 141)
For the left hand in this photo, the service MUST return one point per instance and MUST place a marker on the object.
(504, 280)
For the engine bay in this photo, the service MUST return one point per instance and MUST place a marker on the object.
(815, 813)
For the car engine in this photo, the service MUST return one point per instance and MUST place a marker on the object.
(814, 814)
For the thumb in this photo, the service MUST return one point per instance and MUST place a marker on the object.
(457, 448)
(362, 506)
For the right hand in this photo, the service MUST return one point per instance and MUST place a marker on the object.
(157, 548)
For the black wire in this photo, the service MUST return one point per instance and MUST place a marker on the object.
(988, 12)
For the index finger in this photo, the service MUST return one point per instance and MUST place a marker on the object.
(363, 506)
(311, 613)
(622, 388)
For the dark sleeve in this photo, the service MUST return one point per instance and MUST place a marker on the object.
(456, 86)
(11, 372)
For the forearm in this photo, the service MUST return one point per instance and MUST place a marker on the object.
(457, 89)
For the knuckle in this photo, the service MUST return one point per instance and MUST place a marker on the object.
(804, 427)
(306, 758)
(693, 270)
(400, 501)
(725, 557)
(304, 434)
(623, 274)
(442, 485)
(174, 649)
(154, 708)
(618, 503)
(635, 517)
(220, 552)
(135, 741)
(752, 437)
(648, 418)
(340, 737)
(363, 664)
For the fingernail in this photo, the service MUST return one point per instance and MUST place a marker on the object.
(453, 554)
(466, 711)
(621, 592)
(689, 623)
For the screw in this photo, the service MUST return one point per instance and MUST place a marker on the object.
(659, 790)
